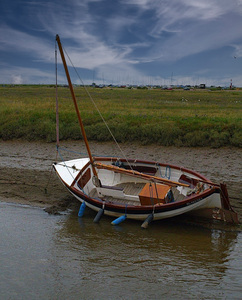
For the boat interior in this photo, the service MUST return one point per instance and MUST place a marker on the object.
(122, 188)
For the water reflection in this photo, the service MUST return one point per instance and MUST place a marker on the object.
(63, 257)
(193, 259)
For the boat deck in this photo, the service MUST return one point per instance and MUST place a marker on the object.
(129, 188)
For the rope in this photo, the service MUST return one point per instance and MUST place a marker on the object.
(51, 172)
(56, 100)
(151, 194)
(71, 151)
(82, 153)
(100, 114)
(65, 164)
(168, 168)
(74, 179)
(167, 174)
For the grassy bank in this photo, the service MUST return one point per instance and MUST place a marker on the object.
(177, 117)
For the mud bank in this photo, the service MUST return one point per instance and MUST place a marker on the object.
(27, 176)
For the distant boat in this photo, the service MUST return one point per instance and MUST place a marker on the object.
(139, 190)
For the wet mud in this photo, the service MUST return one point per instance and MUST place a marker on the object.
(27, 176)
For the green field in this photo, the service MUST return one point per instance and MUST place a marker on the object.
(165, 117)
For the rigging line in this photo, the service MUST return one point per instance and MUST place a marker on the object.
(56, 100)
(80, 153)
(51, 172)
(100, 114)
(74, 178)
(68, 168)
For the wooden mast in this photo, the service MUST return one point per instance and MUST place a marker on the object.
(76, 106)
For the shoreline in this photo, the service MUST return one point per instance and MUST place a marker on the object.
(27, 176)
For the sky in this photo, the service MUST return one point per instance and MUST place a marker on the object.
(157, 42)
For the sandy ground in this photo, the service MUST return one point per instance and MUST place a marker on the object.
(27, 176)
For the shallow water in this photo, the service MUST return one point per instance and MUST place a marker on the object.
(63, 257)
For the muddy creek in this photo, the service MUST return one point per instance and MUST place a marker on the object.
(58, 256)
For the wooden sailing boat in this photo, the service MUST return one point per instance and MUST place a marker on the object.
(135, 189)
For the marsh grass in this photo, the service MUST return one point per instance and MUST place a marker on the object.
(180, 118)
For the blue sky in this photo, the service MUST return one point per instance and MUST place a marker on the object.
(123, 41)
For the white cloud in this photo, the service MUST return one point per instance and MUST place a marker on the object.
(193, 27)
(238, 51)
(15, 41)
(167, 31)
(142, 3)
(17, 79)
(22, 75)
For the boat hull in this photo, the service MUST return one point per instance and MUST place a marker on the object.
(77, 177)
(137, 213)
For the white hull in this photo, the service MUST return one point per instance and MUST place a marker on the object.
(117, 202)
